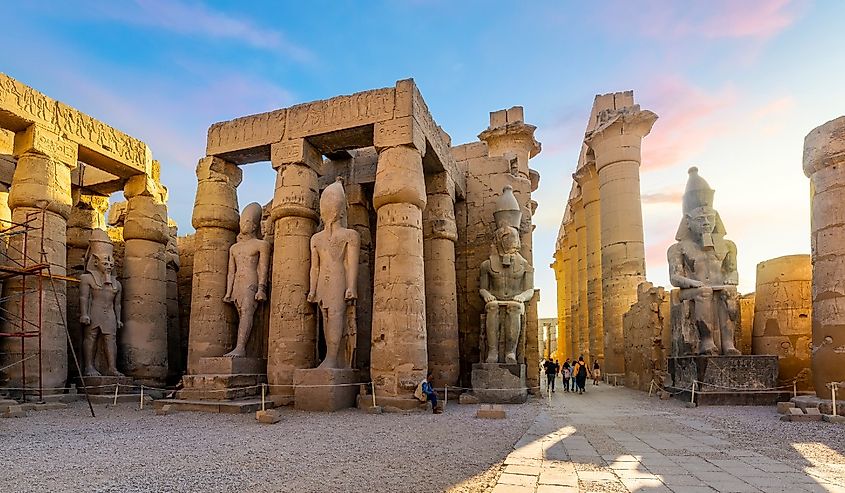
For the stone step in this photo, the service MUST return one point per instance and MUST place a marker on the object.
(221, 381)
(218, 394)
(214, 406)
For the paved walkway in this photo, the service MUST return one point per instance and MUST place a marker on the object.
(614, 439)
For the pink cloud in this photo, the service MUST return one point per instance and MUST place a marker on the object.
(689, 118)
(663, 197)
(709, 19)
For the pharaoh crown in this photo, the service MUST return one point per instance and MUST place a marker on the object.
(507, 212)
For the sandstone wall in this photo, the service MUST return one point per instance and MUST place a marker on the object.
(647, 331)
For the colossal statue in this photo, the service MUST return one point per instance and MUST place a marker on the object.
(99, 305)
(507, 282)
(334, 277)
(703, 265)
(249, 265)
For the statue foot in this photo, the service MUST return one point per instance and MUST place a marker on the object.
(733, 352)
(492, 359)
(91, 372)
(114, 373)
(235, 353)
(510, 358)
(709, 352)
(327, 364)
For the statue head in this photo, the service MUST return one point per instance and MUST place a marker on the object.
(99, 260)
(507, 240)
(508, 215)
(333, 204)
(251, 220)
(701, 222)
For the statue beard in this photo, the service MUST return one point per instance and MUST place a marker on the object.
(707, 240)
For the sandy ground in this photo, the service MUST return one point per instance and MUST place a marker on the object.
(125, 449)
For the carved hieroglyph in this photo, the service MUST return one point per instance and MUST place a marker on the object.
(824, 164)
(99, 305)
(334, 278)
(249, 265)
(507, 283)
(703, 265)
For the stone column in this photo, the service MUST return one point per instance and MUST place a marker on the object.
(583, 310)
(561, 267)
(86, 215)
(588, 180)
(215, 219)
(358, 218)
(292, 339)
(440, 232)
(399, 356)
(143, 342)
(175, 357)
(824, 164)
(40, 193)
(616, 143)
(572, 282)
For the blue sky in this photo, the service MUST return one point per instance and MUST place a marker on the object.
(736, 84)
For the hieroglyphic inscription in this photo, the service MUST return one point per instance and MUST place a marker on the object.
(30, 105)
(339, 113)
(246, 132)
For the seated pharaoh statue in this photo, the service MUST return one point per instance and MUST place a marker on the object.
(334, 277)
(99, 306)
(506, 284)
(702, 264)
(249, 265)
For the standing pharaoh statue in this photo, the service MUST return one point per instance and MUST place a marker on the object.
(249, 265)
(703, 265)
(334, 276)
(99, 305)
(507, 282)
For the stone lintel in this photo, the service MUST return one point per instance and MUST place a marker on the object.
(44, 141)
(399, 131)
(98, 144)
(824, 146)
(246, 139)
(295, 151)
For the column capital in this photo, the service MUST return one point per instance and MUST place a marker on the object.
(295, 151)
(403, 131)
(216, 203)
(824, 146)
(619, 134)
(42, 140)
(148, 185)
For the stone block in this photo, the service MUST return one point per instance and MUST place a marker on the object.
(163, 410)
(721, 379)
(268, 417)
(14, 412)
(833, 419)
(783, 407)
(664, 395)
(491, 411)
(499, 383)
(468, 398)
(813, 411)
(375, 410)
(105, 385)
(794, 411)
(224, 365)
(329, 389)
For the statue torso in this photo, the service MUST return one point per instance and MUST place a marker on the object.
(506, 281)
(704, 263)
(332, 248)
(246, 254)
(101, 302)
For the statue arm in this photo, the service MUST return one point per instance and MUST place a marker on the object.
(84, 294)
(527, 286)
(353, 249)
(230, 276)
(118, 304)
(314, 272)
(263, 264)
(731, 276)
(675, 257)
(484, 283)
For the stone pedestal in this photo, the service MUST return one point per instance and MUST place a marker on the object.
(499, 383)
(325, 389)
(721, 379)
(104, 385)
(222, 384)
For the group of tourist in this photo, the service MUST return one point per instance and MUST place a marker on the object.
(574, 374)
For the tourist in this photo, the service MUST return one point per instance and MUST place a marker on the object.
(551, 370)
(581, 375)
(425, 392)
(596, 373)
(567, 374)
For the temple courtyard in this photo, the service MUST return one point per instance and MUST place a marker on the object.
(609, 439)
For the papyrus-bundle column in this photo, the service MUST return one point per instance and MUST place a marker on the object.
(40, 190)
(440, 233)
(215, 219)
(588, 180)
(399, 354)
(616, 143)
(560, 266)
(143, 343)
(824, 164)
(292, 340)
(572, 282)
(583, 312)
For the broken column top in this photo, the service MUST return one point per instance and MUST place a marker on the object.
(824, 146)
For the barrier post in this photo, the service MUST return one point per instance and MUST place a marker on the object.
(263, 393)
(794, 389)
(650, 387)
(833, 396)
(445, 396)
(116, 387)
(692, 394)
(373, 385)
(142, 397)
